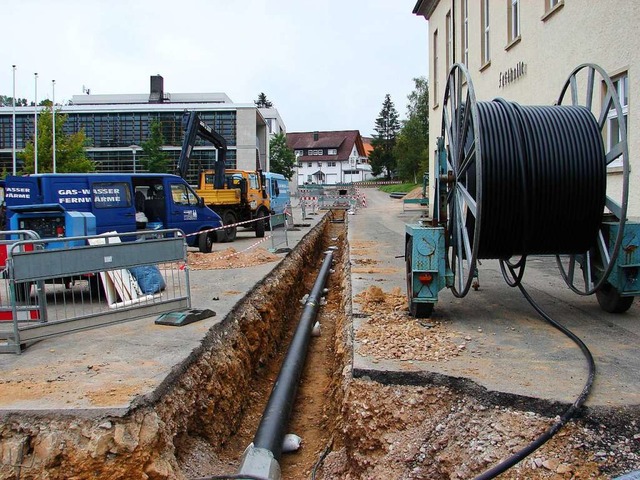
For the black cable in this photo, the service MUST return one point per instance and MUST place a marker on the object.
(568, 414)
(543, 180)
(543, 192)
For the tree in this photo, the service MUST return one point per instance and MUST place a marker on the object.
(262, 101)
(412, 145)
(6, 101)
(281, 157)
(70, 149)
(411, 150)
(155, 160)
(387, 128)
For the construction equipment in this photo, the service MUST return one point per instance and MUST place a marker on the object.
(235, 195)
(513, 181)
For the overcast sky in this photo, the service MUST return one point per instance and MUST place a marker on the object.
(325, 64)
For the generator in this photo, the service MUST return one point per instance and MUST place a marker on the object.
(514, 181)
(53, 221)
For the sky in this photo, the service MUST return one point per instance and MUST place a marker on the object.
(324, 64)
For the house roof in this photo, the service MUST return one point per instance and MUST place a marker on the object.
(342, 140)
(368, 147)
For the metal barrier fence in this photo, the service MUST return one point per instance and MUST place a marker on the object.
(63, 285)
(279, 225)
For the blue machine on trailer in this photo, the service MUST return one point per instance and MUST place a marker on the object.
(442, 251)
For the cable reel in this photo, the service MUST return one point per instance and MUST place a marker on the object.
(524, 180)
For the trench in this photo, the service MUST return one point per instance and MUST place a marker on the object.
(320, 392)
(200, 421)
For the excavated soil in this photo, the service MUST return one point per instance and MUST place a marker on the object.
(205, 415)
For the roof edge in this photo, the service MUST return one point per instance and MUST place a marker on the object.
(425, 8)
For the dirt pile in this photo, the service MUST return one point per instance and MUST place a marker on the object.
(230, 258)
(390, 333)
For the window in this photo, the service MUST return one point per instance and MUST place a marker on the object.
(435, 67)
(183, 195)
(486, 55)
(465, 32)
(109, 195)
(449, 52)
(331, 164)
(613, 132)
(332, 151)
(315, 152)
(319, 164)
(310, 164)
(513, 20)
(552, 3)
(551, 7)
(253, 181)
(299, 153)
(299, 164)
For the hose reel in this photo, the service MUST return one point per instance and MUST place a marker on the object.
(525, 180)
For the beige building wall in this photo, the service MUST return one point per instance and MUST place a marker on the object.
(251, 138)
(552, 43)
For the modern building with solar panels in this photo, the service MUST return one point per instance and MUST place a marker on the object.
(117, 125)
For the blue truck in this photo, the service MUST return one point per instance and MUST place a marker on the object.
(119, 202)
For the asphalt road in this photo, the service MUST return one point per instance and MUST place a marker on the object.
(511, 351)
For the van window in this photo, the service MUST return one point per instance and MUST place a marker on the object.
(111, 194)
(183, 195)
(274, 187)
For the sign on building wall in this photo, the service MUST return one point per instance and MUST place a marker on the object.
(510, 75)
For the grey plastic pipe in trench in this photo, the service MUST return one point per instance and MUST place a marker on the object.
(266, 449)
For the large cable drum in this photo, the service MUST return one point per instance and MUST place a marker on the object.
(527, 180)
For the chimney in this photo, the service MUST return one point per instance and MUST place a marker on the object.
(315, 136)
(157, 89)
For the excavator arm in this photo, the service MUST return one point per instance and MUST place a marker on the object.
(195, 127)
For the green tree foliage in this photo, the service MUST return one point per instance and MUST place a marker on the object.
(282, 158)
(262, 101)
(154, 160)
(382, 157)
(412, 145)
(70, 149)
(6, 101)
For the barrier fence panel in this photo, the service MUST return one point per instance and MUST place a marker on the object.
(279, 227)
(77, 283)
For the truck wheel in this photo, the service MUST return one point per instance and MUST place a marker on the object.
(416, 309)
(229, 218)
(260, 224)
(205, 242)
(610, 299)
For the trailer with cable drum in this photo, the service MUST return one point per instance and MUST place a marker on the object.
(514, 181)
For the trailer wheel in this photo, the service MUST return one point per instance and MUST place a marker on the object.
(610, 299)
(416, 309)
(205, 242)
(260, 224)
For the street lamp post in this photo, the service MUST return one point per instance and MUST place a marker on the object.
(35, 126)
(134, 149)
(53, 112)
(13, 134)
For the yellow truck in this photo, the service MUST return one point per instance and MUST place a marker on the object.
(235, 195)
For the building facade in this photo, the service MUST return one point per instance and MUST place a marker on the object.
(525, 50)
(328, 158)
(116, 126)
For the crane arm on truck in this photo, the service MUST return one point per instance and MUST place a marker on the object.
(195, 127)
